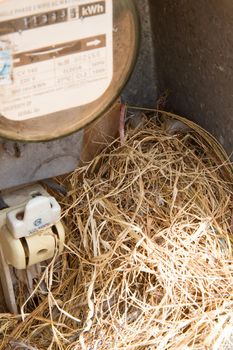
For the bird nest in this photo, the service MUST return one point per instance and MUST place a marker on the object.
(148, 260)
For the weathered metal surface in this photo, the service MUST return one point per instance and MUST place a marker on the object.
(22, 163)
(194, 55)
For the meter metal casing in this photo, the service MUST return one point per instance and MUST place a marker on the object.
(63, 63)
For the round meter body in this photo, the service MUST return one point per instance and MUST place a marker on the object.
(62, 63)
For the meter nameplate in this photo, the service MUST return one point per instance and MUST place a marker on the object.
(61, 52)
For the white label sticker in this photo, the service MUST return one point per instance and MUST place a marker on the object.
(61, 52)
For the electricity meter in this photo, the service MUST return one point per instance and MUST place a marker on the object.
(62, 63)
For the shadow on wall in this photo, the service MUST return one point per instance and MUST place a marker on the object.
(194, 52)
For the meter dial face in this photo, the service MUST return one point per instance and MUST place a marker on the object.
(62, 64)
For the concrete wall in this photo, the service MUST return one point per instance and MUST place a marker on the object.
(142, 89)
(194, 56)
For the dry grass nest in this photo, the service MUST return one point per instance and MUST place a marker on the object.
(148, 258)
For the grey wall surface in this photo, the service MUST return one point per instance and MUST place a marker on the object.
(194, 56)
(142, 89)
